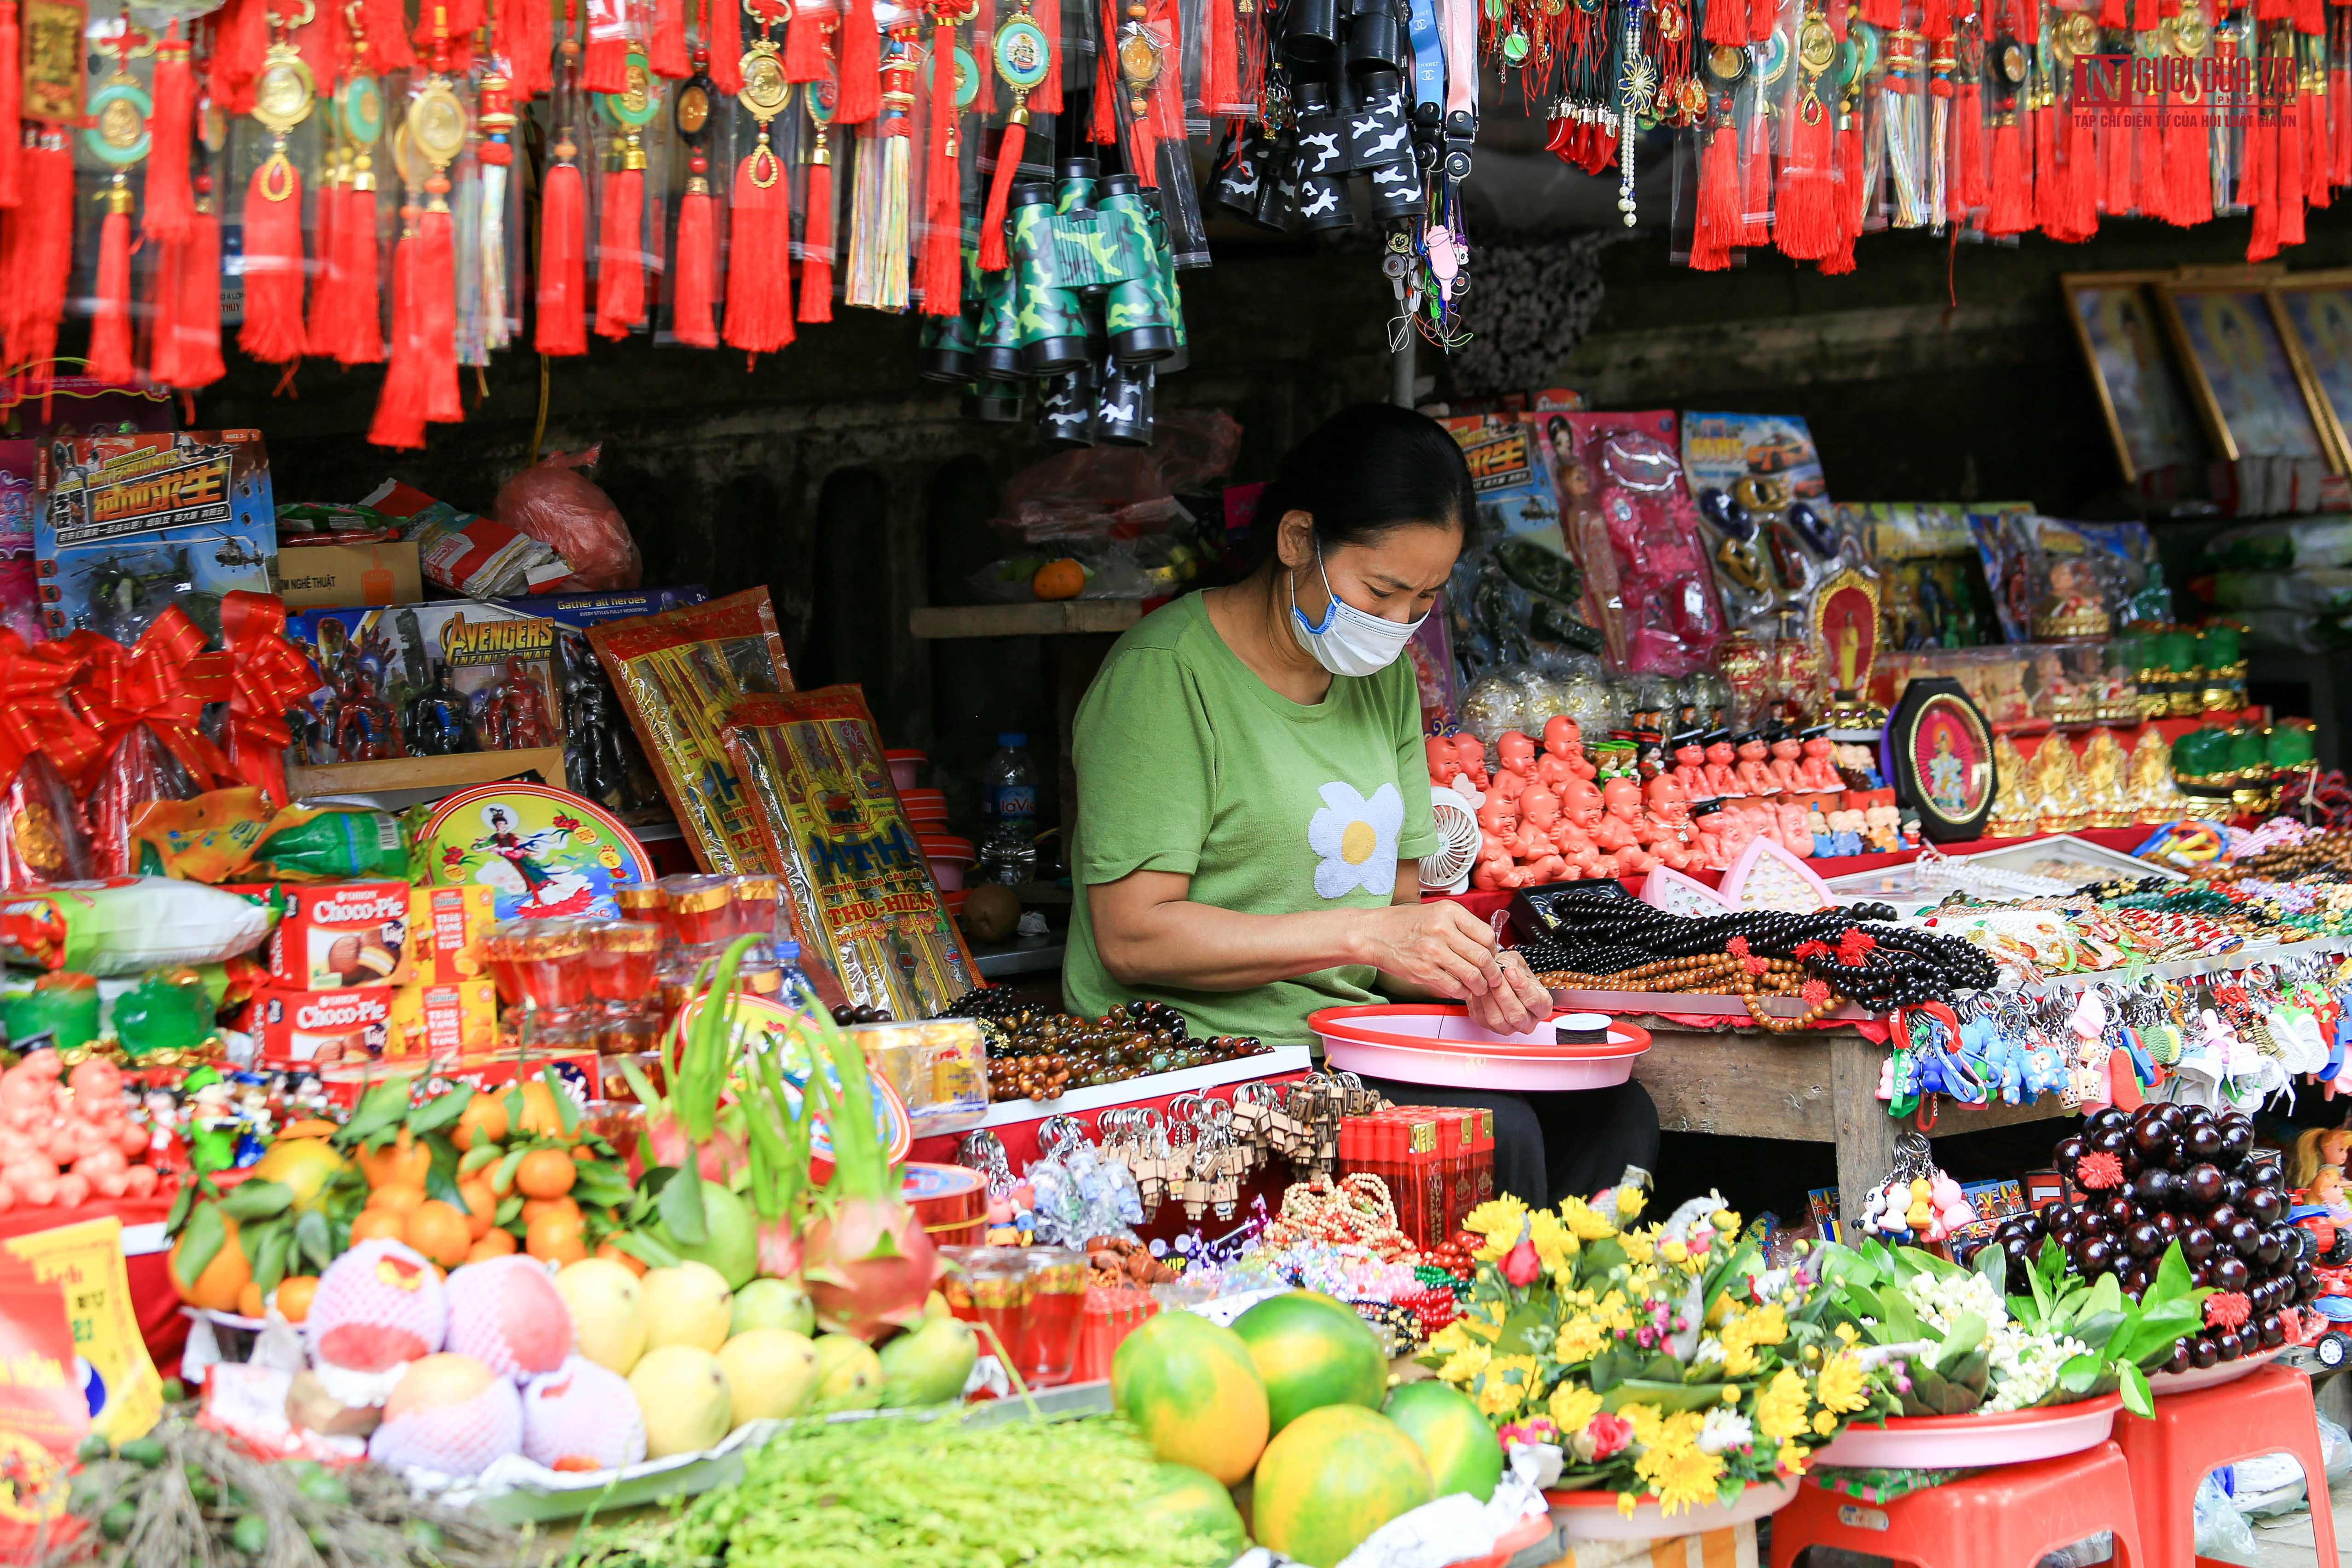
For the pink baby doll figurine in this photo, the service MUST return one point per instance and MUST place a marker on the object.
(1620, 830)
(1754, 777)
(1538, 844)
(1498, 826)
(1666, 833)
(1783, 766)
(1690, 770)
(1443, 764)
(1796, 832)
(1515, 753)
(1722, 782)
(1816, 773)
(1563, 756)
(1581, 808)
(1733, 831)
(1885, 829)
(1470, 757)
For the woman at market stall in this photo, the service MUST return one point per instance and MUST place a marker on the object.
(1254, 800)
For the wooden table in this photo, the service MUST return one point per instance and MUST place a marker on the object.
(1820, 1086)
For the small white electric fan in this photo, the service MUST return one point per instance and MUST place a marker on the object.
(1456, 809)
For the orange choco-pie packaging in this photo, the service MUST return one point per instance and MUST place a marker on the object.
(335, 935)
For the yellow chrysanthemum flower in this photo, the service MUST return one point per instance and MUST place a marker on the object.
(1612, 1312)
(1648, 1423)
(1572, 1408)
(1500, 1221)
(1844, 1385)
(1580, 1340)
(1453, 1336)
(1672, 1250)
(1726, 1220)
(1588, 1223)
(1681, 1476)
(1637, 1245)
(1846, 1333)
(1630, 1201)
(1497, 1398)
(1485, 1321)
(1824, 1423)
(1627, 1504)
(1738, 1358)
(1780, 1406)
(1765, 1325)
(1555, 1243)
(1466, 1364)
(1793, 1458)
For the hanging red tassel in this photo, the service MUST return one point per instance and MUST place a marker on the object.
(240, 39)
(273, 332)
(384, 25)
(2081, 147)
(816, 243)
(562, 260)
(1935, 20)
(41, 227)
(2187, 167)
(2012, 210)
(195, 303)
(2144, 15)
(2339, 120)
(1009, 148)
(1047, 98)
(1726, 23)
(12, 92)
(360, 341)
(1970, 184)
(2116, 169)
(1851, 198)
(859, 47)
(1104, 128)
(400, 404)
(2113, 16)
(1887, 14)
(1805, 223)
(665, 53)
(2048, 198)
(329, 325)
(170, 201)
(1717, 227)
(605, 66)
(760, 274)
(723, 36)
(694, 259)
(110, 327)
(804, 42)
(1220, 64)
(1756, 187)
(526, 40)
(2289, 182)
(620, 263)
(939, 272)
(2258, 188)
(2313, 112)
(436, 303)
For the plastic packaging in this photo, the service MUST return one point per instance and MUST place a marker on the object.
(555, 504)
(128, 925)
(477, 557)
(45, 842)
(2222, 1533)
(330, 843)
(1630, 519)
(1008, 810)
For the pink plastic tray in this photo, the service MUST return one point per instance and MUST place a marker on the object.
(1435, 1042)
(1939, 1442)
(2211, 1376)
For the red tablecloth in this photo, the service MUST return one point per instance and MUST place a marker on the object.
(151, 1295)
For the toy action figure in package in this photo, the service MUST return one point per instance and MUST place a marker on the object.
(601, 758)
(860, 890)
(1630, 520)
(428, 680)
(679, 675)
(134, 523)
(1512, 594)
(1758, 484)
(20, 593)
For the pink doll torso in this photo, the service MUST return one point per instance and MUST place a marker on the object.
(1755, 778)
(1815, 771)
(1721, 781)
(1783, 766)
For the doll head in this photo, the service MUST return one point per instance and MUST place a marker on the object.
(1581, 804)
(1560, 734)
(1469, 753)
(1517, 752)
(1689, 756)
(1621, 799)
(1817, 822)
(2326, 1189)
(1819, 747)
(1664, 797)
(2320, 1149)
(1887, 817)
(1442, 763)
(1753, 750)
(1499, 815)
(1539, 808)
(1787, 748)
(1846, 822)
(1720, 754)
(1796, 827)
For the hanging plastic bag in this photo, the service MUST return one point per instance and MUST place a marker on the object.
(560, 507)
(2222, 1533)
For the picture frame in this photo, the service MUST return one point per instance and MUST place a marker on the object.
(2143, 398)
(2242, 378)
(1938, 752)
(2315, 318)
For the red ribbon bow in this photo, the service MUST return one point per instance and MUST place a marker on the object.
(34, 713)
(269, 676)
(162, 683)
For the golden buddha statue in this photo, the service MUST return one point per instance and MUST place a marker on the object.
(2155, 796)
(2060, 806)
(2104, 793)
(2014, 794)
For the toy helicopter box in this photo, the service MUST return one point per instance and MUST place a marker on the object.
(131, 524)
(453, 676)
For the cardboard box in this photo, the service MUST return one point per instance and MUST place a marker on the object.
(348, 577)
(353, 1028)
(446, 927)
(442, 1023)
(339, 936)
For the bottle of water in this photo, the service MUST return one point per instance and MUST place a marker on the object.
(1008, 809)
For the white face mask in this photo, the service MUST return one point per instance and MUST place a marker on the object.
(1349, 641)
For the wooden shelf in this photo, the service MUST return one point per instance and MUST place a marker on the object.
(1059, 617)
(452, 772)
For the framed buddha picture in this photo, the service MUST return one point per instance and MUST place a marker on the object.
(2315, 318)
(1939, 749)
(2242, 377)
(2120, 329)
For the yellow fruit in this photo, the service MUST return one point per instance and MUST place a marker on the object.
(772, 1372)
(304, 1166)
(1063, 578)
(608, 1323)
(248, 1300)
(684, 1394)
(546, 1173)
(689, 1304)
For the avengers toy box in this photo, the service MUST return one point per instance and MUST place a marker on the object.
(428, 680)
(601, 758)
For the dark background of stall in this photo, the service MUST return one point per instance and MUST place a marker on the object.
(1935, 371)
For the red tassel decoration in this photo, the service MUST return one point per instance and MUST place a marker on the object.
(41, 241)
(816, 243)
(1806, 222)
(1851, 198)
(110, 327)
(1886, 14)
(2312, 112)
(273, 330)
(1970, 186)
(804, 42)
(1718, 227)
(2258, 188)
(1756, 187)
(384, 25)
(694, 261)
(1220, 68)
(723, 36)
(436, 303)
(195, 286)
(2116, 169)
(1009, 148)
(939, 272)
(1725, 24)
(12, 93)
(2339, 116)
(2187, 168)
(361, 340)
(526, 41)
(400, 406)
(605, 66)
(2144, 15)
(2113, 16)
(171, 199)
(1047, 98)
(859, 47)
(665, 53)
(329, 325)
(562, 259)
(2048, 198)
(1935, 20)
(2011, 210)
(620, 263)
(2082, 177)
(240, 39)
(2289, 184)
(759, 278)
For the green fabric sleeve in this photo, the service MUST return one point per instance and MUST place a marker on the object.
(1146, 763)
(1418, 835)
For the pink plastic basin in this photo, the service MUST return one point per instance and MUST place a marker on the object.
(1436, 1042)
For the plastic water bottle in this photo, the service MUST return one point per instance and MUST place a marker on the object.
(797, 992)
(1008, 809)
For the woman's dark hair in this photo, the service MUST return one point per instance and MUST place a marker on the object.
(1369, 468)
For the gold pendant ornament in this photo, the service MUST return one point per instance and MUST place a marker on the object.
(764, 96)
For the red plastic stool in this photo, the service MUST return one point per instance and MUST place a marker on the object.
(2264, 1412)
(2008, 1517)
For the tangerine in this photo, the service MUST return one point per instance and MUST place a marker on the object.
(532, 1207)
(249, 1300)
(1063, 578)
(612, 1254)
(223, 1279)
(546, 1173)
(484, 1117)
(294, 1294)
(494, 1244)
(554, 1237)
(403, 1161)
(481, 1205)
(540, 1114)
(401, 1200)
(379, 1225)
(439, 1230)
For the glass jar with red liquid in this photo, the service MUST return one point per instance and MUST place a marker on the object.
(1057, 1299)
(701, 908)
(758, 900)
(539, 964)
(997, 1279)
(624, 957)
(643, 901)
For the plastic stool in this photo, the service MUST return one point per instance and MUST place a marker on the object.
(2266, 1412)
(2008, 1517)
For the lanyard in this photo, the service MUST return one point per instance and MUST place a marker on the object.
(1428, 54)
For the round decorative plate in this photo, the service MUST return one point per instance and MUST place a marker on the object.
(545, 852)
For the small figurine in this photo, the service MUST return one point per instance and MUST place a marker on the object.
(2058, 805)
(2014, 799)
(2103, 792)
(2155, 794)
(1909, 830)
(1563, 745)
(1754, 777)
(1690, 767)
(1515, 753)
(364, 729)
(1845, 832)
(1438, 752)
(1498, 826)
(1796, 831)
(2317, 1150)
(437, 723)
(1884, 822)
(1470, 757)
(1721, 782)
(1783, 767)
(1817, 822)
(1619, 833)
(517, 718)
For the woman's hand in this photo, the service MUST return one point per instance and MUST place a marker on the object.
(1516, 1006)
(1439, 947)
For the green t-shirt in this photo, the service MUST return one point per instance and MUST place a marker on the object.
(1188, 762)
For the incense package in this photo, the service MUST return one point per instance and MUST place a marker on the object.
(679, 675)
(860, 892)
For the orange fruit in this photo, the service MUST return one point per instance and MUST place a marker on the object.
(539, 1112)
(439, 1230)
(379, 1225)
(484, 1117)
(294, 1293)
(546, 1173)
(612, 1254)
(401, 1200)
(497, 1244)
(248, 1300)
(224, 1279)
(400, 1163)
(554, 1237)
(480, 1203)
(1063, 578)
(532, 1207)
(583, 1153)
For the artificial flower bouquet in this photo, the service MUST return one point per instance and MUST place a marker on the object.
(1665, 1361)
(1955, 1344)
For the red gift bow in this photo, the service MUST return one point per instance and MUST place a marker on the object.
(269, 675)
(34, 713)
(163, 683)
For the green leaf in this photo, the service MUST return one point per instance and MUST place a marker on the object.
(441, 1110)
(2106, 1296)
(181, 1204)
(1962, 1340)
(200, 1243)
(509, 1208)
(2096, 1329)
(2138, 1398)
(1992, 1263)
(480, 1155)
(1902, 1321)
(2173, 1279)
(311, 1235)
(2079, 1372)
(681, 1203)
(1614, 1366)
(566, 1112)
(381, 1108)
(250, 1200)
(1601, 1256)
(1668, 1398)
(645, 1250)
(269, 1253)
(504, 1179)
